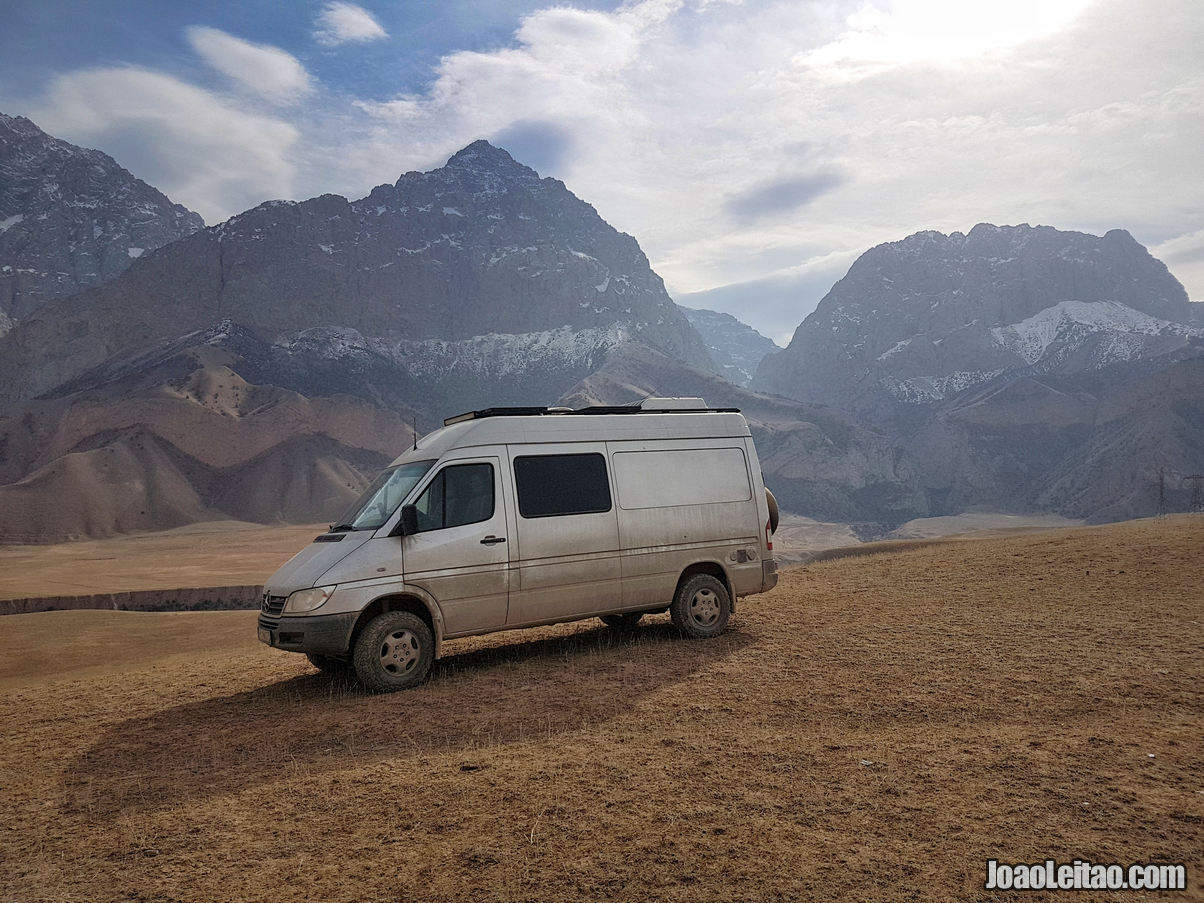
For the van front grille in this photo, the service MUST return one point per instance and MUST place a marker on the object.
(268, 623)
(273, 605)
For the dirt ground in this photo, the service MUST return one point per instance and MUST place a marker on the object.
(874, 729)
(221, 553)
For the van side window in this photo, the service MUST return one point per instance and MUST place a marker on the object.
(552, 485)
(459, 494)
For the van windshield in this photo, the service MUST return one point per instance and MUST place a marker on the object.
(382, 497)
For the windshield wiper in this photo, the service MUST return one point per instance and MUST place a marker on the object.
(342, 528)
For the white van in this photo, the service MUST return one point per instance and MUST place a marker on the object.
(516, 517)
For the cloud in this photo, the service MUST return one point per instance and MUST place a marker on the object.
(725, 141)
(343, 23)
(879, 36)
(199, 149)
(1184, 257)
(544, 146)
(1187, 248)
(780, 300)
(781, 195)
(260, 68)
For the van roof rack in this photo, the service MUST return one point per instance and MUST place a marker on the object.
(650, 405)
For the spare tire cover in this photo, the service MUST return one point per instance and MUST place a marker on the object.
(773, 510)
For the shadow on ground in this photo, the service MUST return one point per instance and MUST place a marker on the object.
(315, 723)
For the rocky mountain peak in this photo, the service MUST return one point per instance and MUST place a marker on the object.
(71, 217)
(480, 154)
(931, 315)
(481, 246)
(12, 127)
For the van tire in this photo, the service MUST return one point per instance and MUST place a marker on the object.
(702, 607)
(627, 621)
(394, 652)
(774, 517)
(327, 664)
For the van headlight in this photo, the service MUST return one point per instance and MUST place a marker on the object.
(308, 599)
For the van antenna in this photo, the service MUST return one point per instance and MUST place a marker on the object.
(414, 427)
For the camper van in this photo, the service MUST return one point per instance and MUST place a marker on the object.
(517, 517)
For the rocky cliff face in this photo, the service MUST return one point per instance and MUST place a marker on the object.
(71, 218)
(918, 321)
(480, 247)
(735, 347)
(1007, 362)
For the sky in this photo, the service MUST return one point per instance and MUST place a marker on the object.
(754, 148)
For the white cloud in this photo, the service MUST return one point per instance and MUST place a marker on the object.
(265, 70)
(197, 148)
(1184, 256)
(899, 32)
(342, 23)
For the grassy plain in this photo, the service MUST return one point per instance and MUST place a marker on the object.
(874, 729)
(219, 553)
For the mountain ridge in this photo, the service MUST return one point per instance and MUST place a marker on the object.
(72, 217)
(480, 246)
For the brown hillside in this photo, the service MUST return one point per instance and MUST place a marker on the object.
(187, 441)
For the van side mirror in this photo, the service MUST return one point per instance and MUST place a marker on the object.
(408, 525)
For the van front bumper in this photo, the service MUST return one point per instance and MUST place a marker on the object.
(319, 634)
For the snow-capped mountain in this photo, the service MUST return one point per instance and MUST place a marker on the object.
(71, 218)
(734, 346)
(920, 320)
(1007, 362)
(479, 247)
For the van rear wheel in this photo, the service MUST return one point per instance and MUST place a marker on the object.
(627, 621)
(702, 607)
(394, 652)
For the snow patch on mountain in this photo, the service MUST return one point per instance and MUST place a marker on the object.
(492, 355)
(1074, 321)
(927, 389)
(496, 355)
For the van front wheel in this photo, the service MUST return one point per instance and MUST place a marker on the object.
(394, 652)
(701, 607)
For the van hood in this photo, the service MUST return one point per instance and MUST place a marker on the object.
(305, 569)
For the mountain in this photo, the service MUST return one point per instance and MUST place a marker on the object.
(735, 347)
(479, 247)
(1026, 368)
(71, 218)
(917, 321)
(265, 368)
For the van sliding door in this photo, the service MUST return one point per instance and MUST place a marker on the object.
(567, 554)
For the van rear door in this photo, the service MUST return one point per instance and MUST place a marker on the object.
(566, 559)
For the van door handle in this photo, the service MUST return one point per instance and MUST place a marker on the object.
(492, 540)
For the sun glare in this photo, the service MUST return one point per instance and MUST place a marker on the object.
(882, 35)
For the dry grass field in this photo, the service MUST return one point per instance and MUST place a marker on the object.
(219, 553)
(874, 729)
